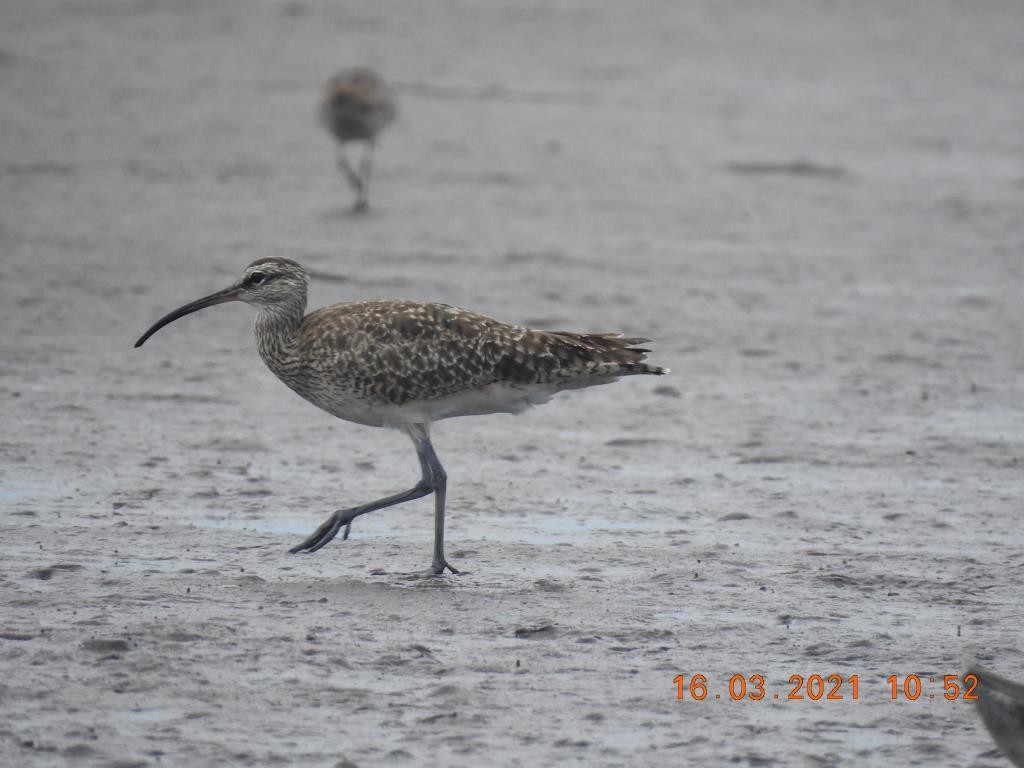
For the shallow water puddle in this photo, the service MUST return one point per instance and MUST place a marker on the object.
(679, 616)
(547, 529)
(273, 525)
(170, 564)
(147, 715)
(554, 529)
(30, 492)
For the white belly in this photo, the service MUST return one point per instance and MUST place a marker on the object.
(495, 398)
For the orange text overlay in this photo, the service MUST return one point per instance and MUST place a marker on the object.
(817, 687)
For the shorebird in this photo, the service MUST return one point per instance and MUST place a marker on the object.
(406, 364)
(1001, 706)
(356, 106)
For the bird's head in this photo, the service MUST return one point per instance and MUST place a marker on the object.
(267, 283)
(271, 281)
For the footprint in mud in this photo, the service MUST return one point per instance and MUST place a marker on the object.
(47, 573)
(179, 636)
(799, 168)
(536, 633)
(633, 442)
(237, 445)
(105, 645)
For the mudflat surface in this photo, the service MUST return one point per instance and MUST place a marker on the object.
(815, 209)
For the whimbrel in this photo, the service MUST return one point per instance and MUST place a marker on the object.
(1001, 706)
(405, 364)
(357, 105)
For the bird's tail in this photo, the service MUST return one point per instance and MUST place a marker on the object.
(572, 360)
(599, 355)
(625, 351)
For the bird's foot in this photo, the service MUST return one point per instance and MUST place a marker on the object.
(437, 568)
(361, 206)
(327, 531)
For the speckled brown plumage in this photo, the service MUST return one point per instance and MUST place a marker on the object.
(406, 364)
(376, 361)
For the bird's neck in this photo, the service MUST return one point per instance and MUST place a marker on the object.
(277, 326)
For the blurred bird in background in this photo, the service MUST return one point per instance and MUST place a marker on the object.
(357, 105)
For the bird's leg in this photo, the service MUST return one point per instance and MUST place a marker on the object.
(440, 482)
(365, 168)
(353, 178)
(433, 480)
(330, 527)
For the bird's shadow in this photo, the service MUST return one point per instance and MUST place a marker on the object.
(350, 213)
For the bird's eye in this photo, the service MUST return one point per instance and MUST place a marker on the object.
(257, 278)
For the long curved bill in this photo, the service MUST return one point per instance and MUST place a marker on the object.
(220, 297)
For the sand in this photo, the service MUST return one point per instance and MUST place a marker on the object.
(814, 208)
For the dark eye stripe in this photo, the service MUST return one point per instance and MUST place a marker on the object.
(257, 278)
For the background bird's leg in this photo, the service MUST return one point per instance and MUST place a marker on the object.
(365, 169)
(351, 176)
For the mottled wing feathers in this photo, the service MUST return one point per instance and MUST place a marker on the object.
(397, 352)
(578, 359)
(394, 352)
